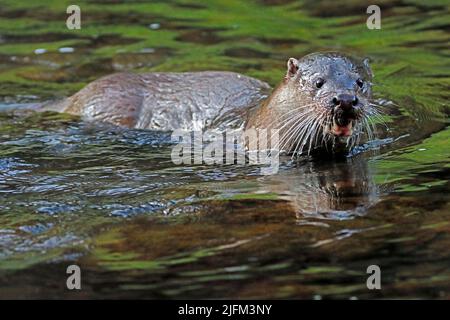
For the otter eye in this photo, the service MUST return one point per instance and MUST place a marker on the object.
(360, 82)
(319, 83)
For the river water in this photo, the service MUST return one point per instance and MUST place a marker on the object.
(112, 202)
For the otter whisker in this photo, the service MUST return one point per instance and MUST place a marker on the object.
(286, 137)
(373, 123)
(321, 123)
(293, 120)
(313, 132)
(287, 121)
(306, 137)
(376, 105)
(294, 131)
(286, 134)
(378, 117)
(326, 137)
(289, 137)
(303, 137)
(287, 114)
(368, 128)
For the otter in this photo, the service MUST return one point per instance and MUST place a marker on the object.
(323, 102)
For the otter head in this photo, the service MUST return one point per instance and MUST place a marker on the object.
(331, 92)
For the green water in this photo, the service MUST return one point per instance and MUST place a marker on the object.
(112, 202)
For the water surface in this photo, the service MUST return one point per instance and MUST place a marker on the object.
(112, 202)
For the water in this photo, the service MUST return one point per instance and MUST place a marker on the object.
(112, 202)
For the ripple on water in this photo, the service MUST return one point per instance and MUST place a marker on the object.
(152, 226)
(36, 228)
(54, 208)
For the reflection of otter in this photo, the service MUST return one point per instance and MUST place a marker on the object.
(335, 190)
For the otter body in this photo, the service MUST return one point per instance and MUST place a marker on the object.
(167, 101)
(323, 102)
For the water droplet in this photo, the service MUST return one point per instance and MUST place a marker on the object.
(66, 50)
(154, 26)
(147, 50)
(40, 51)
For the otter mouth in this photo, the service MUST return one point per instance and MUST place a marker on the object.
(340, 130)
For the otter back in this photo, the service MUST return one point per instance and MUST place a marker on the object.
(168, 101)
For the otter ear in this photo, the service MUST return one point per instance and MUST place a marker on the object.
(292, 67)
(366, 64)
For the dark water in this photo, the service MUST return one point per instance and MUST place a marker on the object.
(112, 202)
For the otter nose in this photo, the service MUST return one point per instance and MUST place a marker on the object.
(345, 101)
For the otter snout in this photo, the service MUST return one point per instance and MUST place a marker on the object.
(345, 101)
(344, 114)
